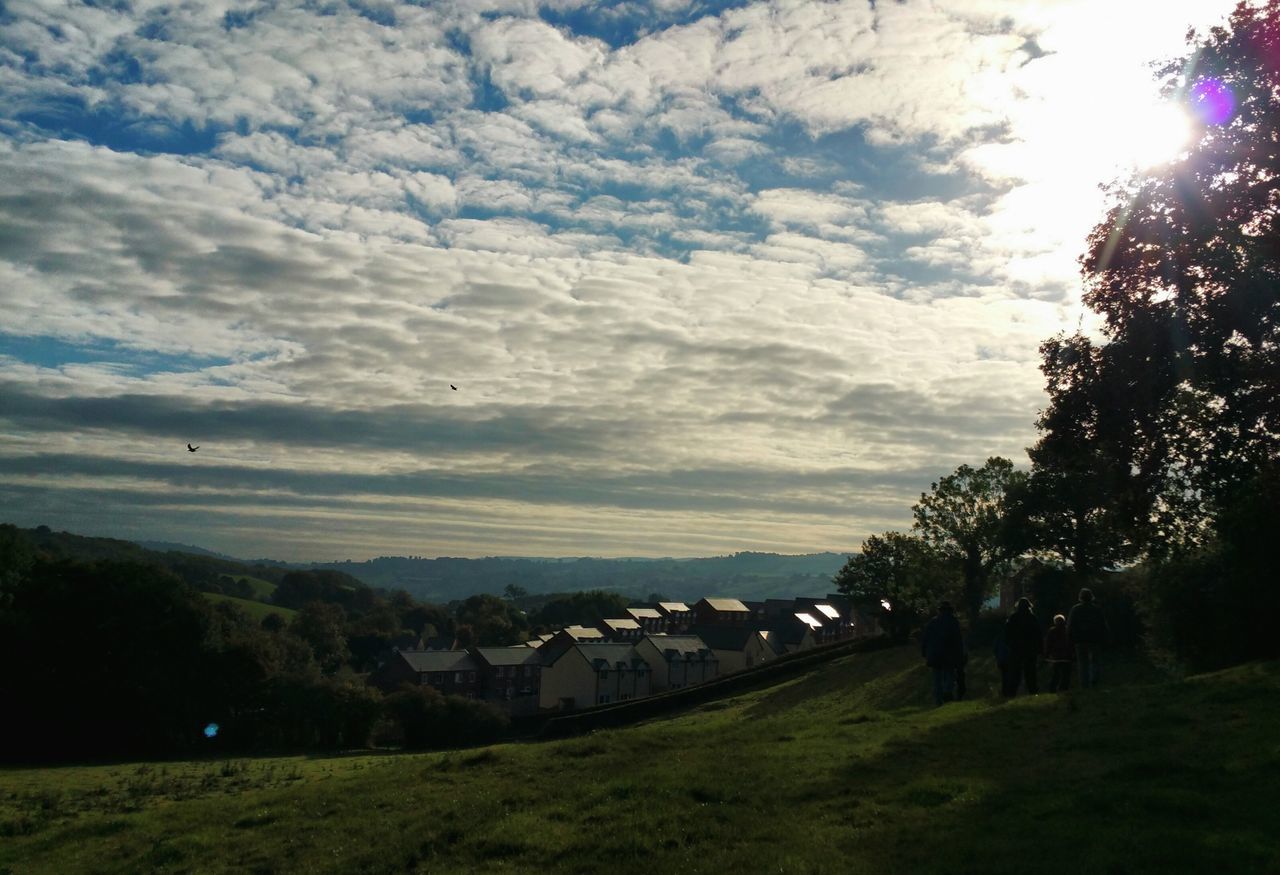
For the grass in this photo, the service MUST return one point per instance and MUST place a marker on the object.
(262, 589)
(256, 610)
(844, 769)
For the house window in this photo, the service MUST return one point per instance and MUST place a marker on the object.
(437, 677)
(457, 677)
(423, 677)
(604, 699)
(604, 674)
(624, 697)
(471, 676)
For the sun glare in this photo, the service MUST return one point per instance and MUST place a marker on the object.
(1153, 135)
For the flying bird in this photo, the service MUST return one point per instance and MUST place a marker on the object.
(453, 387)
(191, 449)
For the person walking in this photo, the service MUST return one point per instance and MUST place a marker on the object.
(1087, 629)
(1059, 653)
(1022, 635)
(942, 646)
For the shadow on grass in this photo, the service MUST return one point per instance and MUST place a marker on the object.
(1083, 782)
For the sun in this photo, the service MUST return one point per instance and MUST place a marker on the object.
(1150, 135)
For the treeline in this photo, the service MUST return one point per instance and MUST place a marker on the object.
(1156, 475)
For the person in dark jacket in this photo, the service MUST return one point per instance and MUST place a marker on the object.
(1022, 635)
(1059, 653)
(1087, 629)
(942, 646)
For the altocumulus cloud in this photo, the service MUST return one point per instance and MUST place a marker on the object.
(708, 276)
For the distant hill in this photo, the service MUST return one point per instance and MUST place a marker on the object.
(203, 569)
(746, 575)
(172, 547)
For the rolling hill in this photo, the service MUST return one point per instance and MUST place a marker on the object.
(843, 769)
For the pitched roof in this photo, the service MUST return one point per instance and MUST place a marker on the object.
(644, 613)
(726, 605)
(579, 633)
(438, 660)
(619, 624)
(673, 607)
(808, 620)
(829, 612)
(609, 655)
(679, 646)
(723, 637)
(520, 655)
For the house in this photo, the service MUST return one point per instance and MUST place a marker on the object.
(790, 636)
(650, 619)
(736, 647)
(583, 675)
(862, 619)
(452, 672)
(720, 612)
(677, 614)
(834, 627)
(510, 677)
(621, 629)
(678, 660)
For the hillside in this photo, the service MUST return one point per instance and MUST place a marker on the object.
(741, 575)
(844, 769)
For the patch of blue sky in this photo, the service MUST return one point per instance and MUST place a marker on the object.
(54, 352)
(622, 24)
(69, 118)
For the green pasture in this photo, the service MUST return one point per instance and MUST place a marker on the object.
(256, 610)
(845, 769)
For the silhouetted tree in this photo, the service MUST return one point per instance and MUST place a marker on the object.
(898, 576)
(965, 518)
(1185, 272)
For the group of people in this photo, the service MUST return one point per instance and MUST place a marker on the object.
(1073, 639)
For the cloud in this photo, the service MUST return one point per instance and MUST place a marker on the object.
(705, 279)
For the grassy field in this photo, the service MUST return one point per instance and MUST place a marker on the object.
(845, 769)
(256, 610)
(262, 589)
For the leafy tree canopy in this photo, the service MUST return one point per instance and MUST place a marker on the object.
(965, 518)
(1185, 273)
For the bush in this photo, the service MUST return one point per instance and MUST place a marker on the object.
(426, 719)
(1218, 607)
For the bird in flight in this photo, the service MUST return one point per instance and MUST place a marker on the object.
(191, 449)
(453, 387)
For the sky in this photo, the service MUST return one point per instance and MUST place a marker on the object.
(708, 276)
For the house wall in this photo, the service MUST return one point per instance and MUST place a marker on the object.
(684, 673)
(393, 674)
(757, 652)
(570, 677)
(649, 652)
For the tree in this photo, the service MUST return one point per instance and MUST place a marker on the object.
(1087, 471)
(897, 574)
(323, 627)
(512, 592)
(494, 623)
(1185, 272)
(964, 517)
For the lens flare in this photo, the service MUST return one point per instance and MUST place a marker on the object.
(884, 603)
(1212, 101)
(211, 730)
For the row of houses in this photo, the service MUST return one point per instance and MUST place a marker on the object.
(655, 648)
